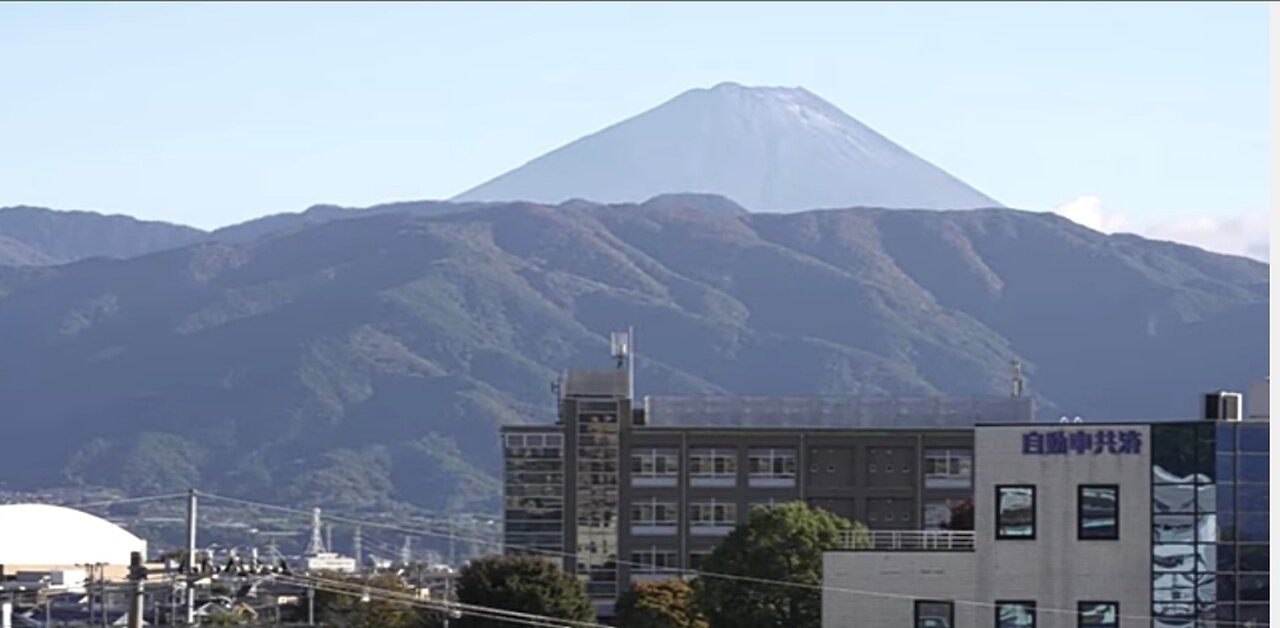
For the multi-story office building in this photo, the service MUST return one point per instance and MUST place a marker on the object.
(621, 493)
(1156, 525)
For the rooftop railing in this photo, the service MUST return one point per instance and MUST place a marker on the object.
(906, 540)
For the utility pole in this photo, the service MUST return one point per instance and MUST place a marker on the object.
(191, 558)
(358, 550)
(137, 576)
(102, 588)
(311, 603)
(93, 578)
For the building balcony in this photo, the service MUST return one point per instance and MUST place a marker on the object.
(650, 529)
(906, 540)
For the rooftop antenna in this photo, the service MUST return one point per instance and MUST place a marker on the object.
(1019, 382)
(357, 546)
(316, 546)
(622, 346)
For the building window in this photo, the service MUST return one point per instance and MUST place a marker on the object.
(713, 467)
(654, 561)
(1015, 614)
(934, 614)
(712, 518)
(653, 517)
(1098, 509)
(765, 505)
(1016, 512)
(655, 467)
(948, 514)
(771, 468)
(1098, 614)
(948, 468)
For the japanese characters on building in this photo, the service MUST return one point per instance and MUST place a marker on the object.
(1082, 442)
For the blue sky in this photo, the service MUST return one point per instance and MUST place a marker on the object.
(1146, 117)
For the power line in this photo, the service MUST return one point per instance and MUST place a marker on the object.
(698, 573)
(488, 612)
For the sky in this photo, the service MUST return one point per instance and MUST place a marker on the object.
(1143, 117)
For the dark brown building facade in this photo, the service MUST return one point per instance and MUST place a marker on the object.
(621, 493)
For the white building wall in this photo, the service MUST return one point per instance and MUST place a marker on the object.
(875, 589)
(873, 585)
(1057, 570)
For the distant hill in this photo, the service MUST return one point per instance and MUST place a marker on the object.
(771, 149)
(37, 236)
(371, 360)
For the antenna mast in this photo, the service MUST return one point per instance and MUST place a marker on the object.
(316, 546)
(1019, 382)
(623, 347)
(357, 544)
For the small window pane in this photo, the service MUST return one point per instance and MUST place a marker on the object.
(1253, 497)
(1253, 614)
(1173, 557)
(1226, 499)
(1226, 586)
(1226, 468)
(1226, 436)
(1173, 528)
(1254, 468)
(1254, 588)
(1174, 498)
(1099, 614)
(1015, 614)
(1254, 557)
(1253, 527)
(1255, 438)
(1099, 512)
(1226, 557)
(934, 614)
(1015, 512)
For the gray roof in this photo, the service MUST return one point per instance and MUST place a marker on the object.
(734, 410)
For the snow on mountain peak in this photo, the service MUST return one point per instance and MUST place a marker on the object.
(767, 148)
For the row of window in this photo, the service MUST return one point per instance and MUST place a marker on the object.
(943, 468)
(1097, 512)
(658, 517)
(1016, 614)
(534, 441)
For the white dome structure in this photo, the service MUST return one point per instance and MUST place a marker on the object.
(40, 534)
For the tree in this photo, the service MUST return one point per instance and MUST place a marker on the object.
(665, 604)
(350, 609)
(783, 544)
(524, 584)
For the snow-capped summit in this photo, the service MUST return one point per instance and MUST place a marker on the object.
(774, 149)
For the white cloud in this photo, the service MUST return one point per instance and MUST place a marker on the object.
(1246, 234)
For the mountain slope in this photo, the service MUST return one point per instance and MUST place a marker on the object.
(351, 359)
(769, 149)
(53, 236)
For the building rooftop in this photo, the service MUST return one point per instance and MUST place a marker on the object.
(834, 411)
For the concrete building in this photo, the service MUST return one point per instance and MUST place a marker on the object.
(1076, 525)
(620, 493)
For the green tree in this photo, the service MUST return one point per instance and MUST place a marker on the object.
(344, 606)
(523, 584)
(664, 604)
(783, 544)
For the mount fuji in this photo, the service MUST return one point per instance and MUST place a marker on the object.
(770, 149)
